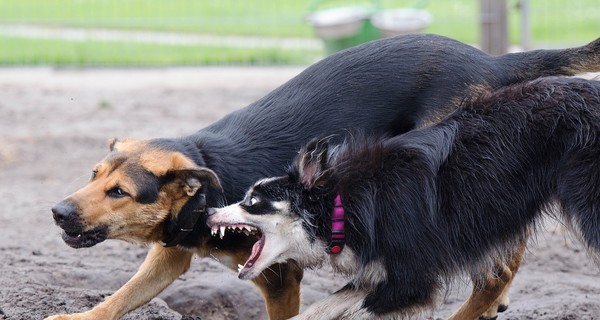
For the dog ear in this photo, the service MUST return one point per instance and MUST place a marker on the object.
(114, 144)
(311, 163)
(178, 167)
(193, 179)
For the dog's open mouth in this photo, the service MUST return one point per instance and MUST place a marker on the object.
(251, 232)
(84, 239)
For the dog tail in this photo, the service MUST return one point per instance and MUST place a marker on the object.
(540, 63)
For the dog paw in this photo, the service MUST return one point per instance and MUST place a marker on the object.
(75, 316)
(58, 317)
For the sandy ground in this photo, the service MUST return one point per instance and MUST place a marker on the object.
(54, 126)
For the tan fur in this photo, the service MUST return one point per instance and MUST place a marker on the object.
(439, 114)
(485, 301)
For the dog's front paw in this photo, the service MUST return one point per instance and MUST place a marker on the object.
(74, 316)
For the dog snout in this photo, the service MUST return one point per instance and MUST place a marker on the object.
(64, 212)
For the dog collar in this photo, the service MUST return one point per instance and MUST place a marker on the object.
(338, 234)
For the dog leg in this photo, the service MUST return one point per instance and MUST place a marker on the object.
(280, 287)
(486, 301)
(161, 267)
(501, 303)
(279, 284)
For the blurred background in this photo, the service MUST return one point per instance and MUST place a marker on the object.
(267, 32)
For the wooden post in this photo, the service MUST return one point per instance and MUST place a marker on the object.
(525, 9)
(494, 27)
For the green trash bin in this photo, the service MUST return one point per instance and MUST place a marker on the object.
(344, 27)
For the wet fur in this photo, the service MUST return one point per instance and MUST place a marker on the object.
(385, 88)
(440, 201)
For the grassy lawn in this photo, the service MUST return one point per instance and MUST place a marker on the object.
(21, 51)
(554, 22)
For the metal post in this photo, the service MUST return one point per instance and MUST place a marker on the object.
(494, 27)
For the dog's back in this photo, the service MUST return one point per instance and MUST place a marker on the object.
(384, 87)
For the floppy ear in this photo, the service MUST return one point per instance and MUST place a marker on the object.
(180, 168)
(193, 179)
(311, 163)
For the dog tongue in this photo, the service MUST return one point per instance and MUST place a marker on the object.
(256, 250)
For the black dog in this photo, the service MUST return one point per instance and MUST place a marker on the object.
(417, 209)
(155, 190)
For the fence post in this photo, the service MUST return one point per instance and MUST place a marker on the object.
(525, 9)
(494, 27)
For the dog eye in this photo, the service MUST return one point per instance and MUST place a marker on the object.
(253, 200)
(117, 192)
(94, 173)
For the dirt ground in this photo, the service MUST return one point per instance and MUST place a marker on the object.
(54, 126)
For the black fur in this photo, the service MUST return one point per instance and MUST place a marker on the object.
(453, 197)
(384, 87)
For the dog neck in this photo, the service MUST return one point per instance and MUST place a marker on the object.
(338, 233)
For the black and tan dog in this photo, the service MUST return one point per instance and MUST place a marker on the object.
(156, 190)
(402, 216)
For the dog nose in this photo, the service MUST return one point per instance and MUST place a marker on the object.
(63, 211)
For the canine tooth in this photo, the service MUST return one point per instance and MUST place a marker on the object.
(213, 231)
(240, 267)
(222, 229)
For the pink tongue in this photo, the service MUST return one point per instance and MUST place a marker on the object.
(255, 254)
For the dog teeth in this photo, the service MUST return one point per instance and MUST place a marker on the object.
(219, 231)
(240, 267)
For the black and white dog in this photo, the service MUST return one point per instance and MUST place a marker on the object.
(403, 215)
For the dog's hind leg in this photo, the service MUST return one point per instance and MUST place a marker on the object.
(487, 300)
(280, 287)
(161, 267)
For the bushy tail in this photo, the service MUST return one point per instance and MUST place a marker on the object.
(539, 63)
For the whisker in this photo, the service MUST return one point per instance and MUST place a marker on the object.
(210, 253)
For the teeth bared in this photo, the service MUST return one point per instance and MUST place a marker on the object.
(219, 231)
(240, 267)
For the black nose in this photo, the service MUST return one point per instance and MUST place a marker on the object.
(63, 212)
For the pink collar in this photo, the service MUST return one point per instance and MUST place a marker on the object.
(338, 235)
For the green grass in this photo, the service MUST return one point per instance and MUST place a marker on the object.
(19, 51)
(239, 17)
(554, 23)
